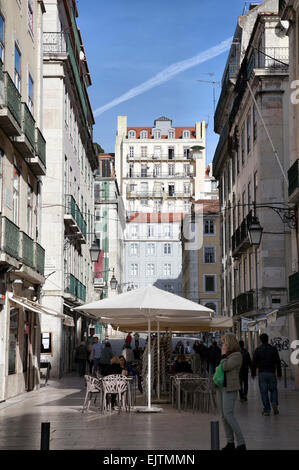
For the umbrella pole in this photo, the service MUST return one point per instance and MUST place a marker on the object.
(149, 365)
(158, 368)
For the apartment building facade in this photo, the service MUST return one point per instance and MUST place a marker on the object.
(289, 14)
(22, 166)
(201, 260)
(153, 251)
(160, 168)
(250, 118)
(68, 202)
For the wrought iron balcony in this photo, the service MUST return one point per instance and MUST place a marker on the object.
(37, 162)
(244, 303)
(27, 250)
(294, 287)
(10, 105)
(10, 238)
(158, 158)
(74, 287)
(151, 174)
(105, 197)
(39, 258)
(74, 219)
(25, 143)
(240, 239)
(293, 176)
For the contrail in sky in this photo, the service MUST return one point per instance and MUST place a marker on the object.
(167, 74)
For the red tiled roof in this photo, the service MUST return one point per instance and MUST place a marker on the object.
(209, 205)
(178, 132)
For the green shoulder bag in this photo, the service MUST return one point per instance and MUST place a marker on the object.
(218, 377)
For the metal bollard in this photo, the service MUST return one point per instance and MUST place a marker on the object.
(215, 442)
(45, 436)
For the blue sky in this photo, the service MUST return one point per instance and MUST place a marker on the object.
(128, 42)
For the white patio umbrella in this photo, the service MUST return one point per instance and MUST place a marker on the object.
(151, 309)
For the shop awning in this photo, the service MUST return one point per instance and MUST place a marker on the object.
(34, 306)
(90, 316)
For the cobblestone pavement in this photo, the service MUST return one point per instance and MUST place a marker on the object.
(60, 403)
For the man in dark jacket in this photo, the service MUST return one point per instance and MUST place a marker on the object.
(243, 374)
(214, 356)
(266, 359)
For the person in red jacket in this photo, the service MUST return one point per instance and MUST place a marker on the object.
(129, 338)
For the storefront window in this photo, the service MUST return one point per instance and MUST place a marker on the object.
(46, 343)
(13, 340)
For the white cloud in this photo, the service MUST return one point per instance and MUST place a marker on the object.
(167, 74)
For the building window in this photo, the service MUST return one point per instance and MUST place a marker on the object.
(1, 38)
(143, 150)
(170, 170)
(167, 249)
(209, 254)
(209, 282)
(186, 206)
(171, 189)
(134, 231)
(249, 133)
(29, 210)
(249, 195)
(30, 94)
(167, 269)
(16, 195)
(133, 249)
(186, 134)
(150, 230)
(157, 152)
(187, 152)
(157, 134)
(171, 134)
(132, 134)
(168, 230)
(245, 274)
(13, 340)
(17, 68)
(243, 146)
(157, 170)
(150, 270)
(157, 206)
(143, 135)
(255, 186)
(254, 123)
(131, 152)
(144, 202)
(187, 189)
(212, 306)
(168, 287)
(187, 170)
(143, 171)
(150, 249)
(209, 227)
(134, 270)
(170, 153)
(30, 16)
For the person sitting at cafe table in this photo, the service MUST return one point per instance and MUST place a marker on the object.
(181, 365)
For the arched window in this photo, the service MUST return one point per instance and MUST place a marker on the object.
(132, 134)
(157, 134)
(143, 135)
(186, 134)
(171, 134)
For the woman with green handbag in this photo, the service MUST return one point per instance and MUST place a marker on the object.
(226, 379)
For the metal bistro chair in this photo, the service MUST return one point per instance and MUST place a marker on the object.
(93, 386)
(185, 383)
(115, 384)
(204, 395)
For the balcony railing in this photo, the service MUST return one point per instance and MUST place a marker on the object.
(150, 174)
(293, 176)
(10, 238)
(244, 303)
(157, 194)
(74, 287)
(105, 197)
(294, 287)
(27, 250)
(28, 124)
(273, 58)
(40, 146)
(71, 208)
(240, 238)
(168, 158)
(10, 104)
(39, 261)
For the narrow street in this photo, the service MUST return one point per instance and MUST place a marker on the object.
(60, 403)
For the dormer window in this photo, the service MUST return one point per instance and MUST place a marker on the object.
(132, 134)
(143, 135)
(171, 134)
(157, 134)
(186, 134)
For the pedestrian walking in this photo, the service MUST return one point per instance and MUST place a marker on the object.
(81, 358)
(204, 353)
(136, 339)
(266, 359)
(187, 348)
(214, 357)
(231, 361)
(105, 359)
(128, 354)
(95, 354)
(89, 344)
(246, 365)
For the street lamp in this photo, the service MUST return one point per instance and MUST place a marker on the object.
(113, 282)
(255, 231)
(95, 251)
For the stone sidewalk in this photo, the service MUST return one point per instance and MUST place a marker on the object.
(60, 403)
